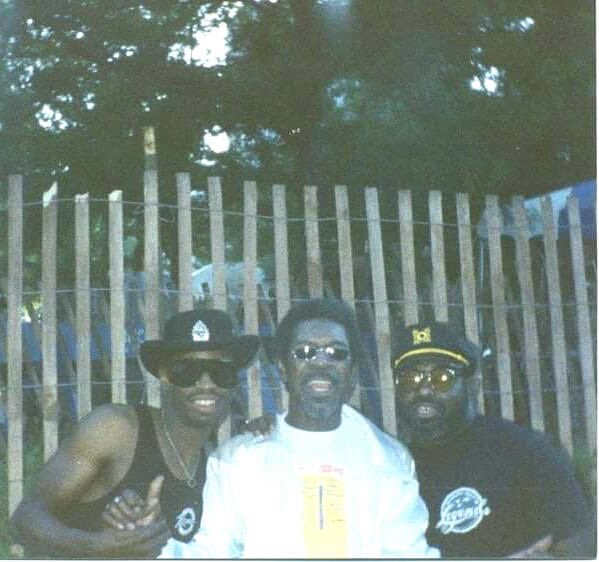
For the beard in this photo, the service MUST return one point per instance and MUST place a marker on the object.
(320, 405)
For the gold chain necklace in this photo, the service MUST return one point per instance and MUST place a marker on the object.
(189, 475)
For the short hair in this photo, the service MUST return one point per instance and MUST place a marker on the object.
(327, 309)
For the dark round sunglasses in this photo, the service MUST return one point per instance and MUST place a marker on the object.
(187, 372)
(441, 379)
(309, 352)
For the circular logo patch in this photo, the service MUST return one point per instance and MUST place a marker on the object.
(462, 510)
(186, 521)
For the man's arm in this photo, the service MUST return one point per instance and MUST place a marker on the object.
(82, 466)
(556, 501)
(579, 545)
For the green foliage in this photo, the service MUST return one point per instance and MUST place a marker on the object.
(359, 92)
(32, 461)
(363, 92)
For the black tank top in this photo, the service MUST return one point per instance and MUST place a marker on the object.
(181, 504)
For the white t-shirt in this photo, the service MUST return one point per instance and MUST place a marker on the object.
(346, 493)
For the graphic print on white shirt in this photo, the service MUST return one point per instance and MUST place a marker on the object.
(462, 510)
(324, 519)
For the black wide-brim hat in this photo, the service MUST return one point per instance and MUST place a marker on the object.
(198, 330)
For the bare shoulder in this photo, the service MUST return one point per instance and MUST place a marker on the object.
(105, 429)
(92, 458)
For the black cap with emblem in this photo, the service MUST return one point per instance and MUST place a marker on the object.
(434, 338)
(198, 330)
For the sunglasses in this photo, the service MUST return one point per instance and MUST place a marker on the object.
(187, 372)
(441, 379)
(309, 352)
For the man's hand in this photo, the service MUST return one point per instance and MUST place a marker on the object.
(540, 549)
(260, 426)
(129, 511)
(141, 542)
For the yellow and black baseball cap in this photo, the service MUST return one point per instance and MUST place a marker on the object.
(434, 338)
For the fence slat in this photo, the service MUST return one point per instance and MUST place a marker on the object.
(504, 364)
(531, 338)
(281, 250)
(585, 339)
(117, 297)
(217, 242)
(408, 263)
(558, 337)
(346, 260)
(314, 260)
(381, 309)
(50, 380)
(217, 247)
(185, 241)
(468, 280)
(152, 272)
(283, 292)
(83, 305)
(435, 205)
(14, 351)
(250, 293)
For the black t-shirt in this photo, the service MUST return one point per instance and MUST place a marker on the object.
(181, 505)
(497, 489)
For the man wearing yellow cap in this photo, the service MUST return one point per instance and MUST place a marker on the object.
(492, 488)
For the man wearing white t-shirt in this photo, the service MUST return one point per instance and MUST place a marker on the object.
(325, 482)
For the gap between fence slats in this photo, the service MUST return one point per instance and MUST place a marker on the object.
(346, 267)
(314, 259)
(435, 206)
(408, 263)
(558, 343)
(62, 339)
(14, 351)
(468, 280)
(585, 339)
(250, 294)
(503, 359)
(83, 305)
(381, 309)
(184, 241)
(117, 297)
(531, 338)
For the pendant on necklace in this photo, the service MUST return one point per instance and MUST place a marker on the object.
(192, 482)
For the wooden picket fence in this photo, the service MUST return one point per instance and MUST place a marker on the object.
(552, 368)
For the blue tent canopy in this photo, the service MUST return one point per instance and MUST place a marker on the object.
(586, 193)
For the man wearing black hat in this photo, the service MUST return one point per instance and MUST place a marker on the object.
(493, 488)
(119, 454)
(325, 483)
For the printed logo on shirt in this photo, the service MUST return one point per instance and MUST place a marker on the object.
(324, 521)
(462, 510)
(185, 521)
